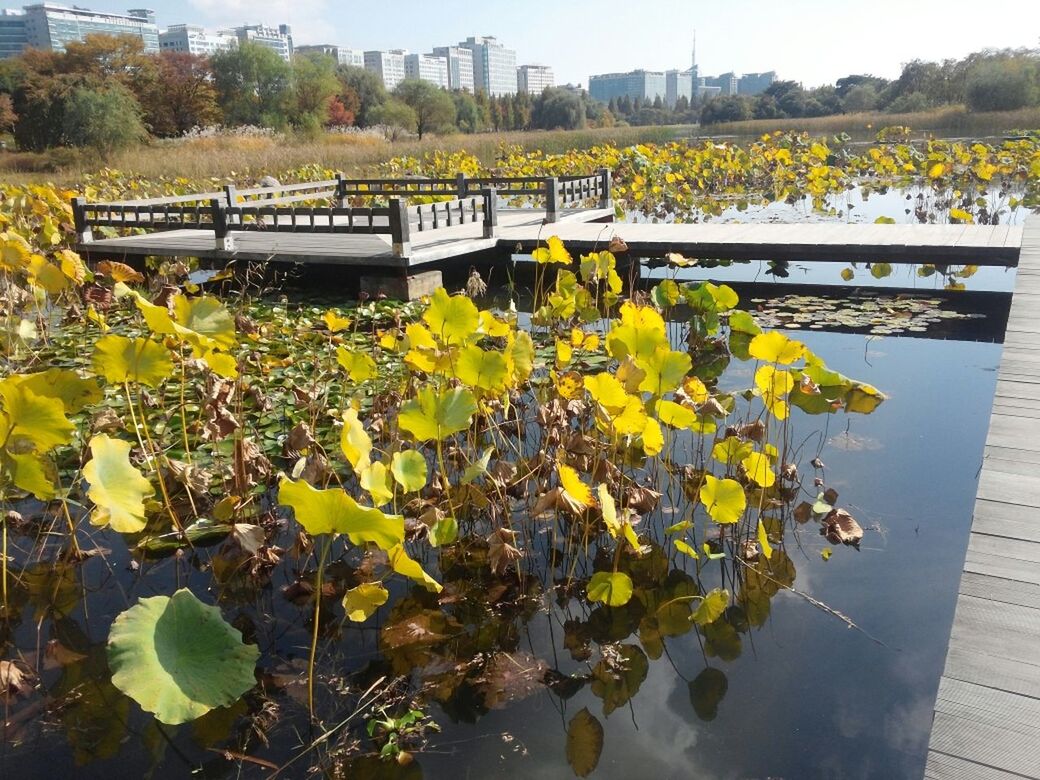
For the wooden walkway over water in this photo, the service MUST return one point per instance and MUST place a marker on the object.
(987, 712)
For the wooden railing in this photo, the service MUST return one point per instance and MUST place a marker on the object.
(272, 214)
(470, 200)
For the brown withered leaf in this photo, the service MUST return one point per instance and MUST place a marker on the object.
(617, 245)
(106, 421)
(641, 499)
(250, 464)
(841, 528)
(299, 439)
(509, 677)
(14, 679)
(119, 272)
(502, 553)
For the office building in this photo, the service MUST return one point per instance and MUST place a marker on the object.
(755, 83)
(426, 67)
(13, 34)
(703, 93)
(727, 83)
(532, 79)
(343, 55)
(677, 84)
(193, 39)
(277, 38)
(494, 66)
(460, 66)
(644, 85)
(49, 26)
(388, 65)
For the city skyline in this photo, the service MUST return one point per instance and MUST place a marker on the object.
(803, 40)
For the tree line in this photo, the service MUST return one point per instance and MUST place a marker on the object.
(106, 93)
(1002, 80)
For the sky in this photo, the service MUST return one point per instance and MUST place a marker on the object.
(811, 41)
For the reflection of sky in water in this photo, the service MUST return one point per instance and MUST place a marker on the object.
(807, 697)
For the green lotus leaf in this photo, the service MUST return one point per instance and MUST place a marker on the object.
(178, 658)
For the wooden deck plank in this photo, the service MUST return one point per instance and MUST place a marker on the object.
(987, 711)
(822, 242)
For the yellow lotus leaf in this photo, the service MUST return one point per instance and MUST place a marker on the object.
(66, 385)
(631, 421)
(731, 450)
(31, 422)
(119, 359)
(33, 473)
(119, 272)
(630, 375)
(607, 391)
(361, 602)
(520, 351)
(774, 347)
(564, 352)
(773, 382)
(759, 469)
(695, 389)
(653, 438)
(409, 469)
(402, 564)
(568, 384)
(763, 541)
(437, 414)
(639, 333)
(389, 340)
(484, 369)
(207, 317)
(676, 415)
(936, 170)
(452, 318)
(333, 511)
(611, 588)
(359, 366)
(576, 490)
(665, 371)
(609, 509)
(335, 322)
(220, 363)
(118, 490)
(355, 442)
(14, 252)
(723, 498)
(589, 342)
(45, 274)
(552, 252)
(72, 265)
(374, 479)
(493, 326)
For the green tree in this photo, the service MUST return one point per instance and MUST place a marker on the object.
(1002, 85)
(395, 117)
(731, 108)
(362, 92)
(558, 109)
(254, 85)
(467, 112)
(105, 120)
(314, 88)
(433, 107)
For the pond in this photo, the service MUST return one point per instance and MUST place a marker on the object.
(789, 690)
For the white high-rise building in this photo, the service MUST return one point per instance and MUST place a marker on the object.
(51, 26)
(532, 79)
(193, 39)
(426, 67)
(460, 66)
(389, 65)
(278, 38)
(343, 55)
(494, 66)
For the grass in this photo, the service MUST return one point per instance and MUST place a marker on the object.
(949, 120)
(243, 158)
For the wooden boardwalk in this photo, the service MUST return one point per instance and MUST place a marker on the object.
(987, 712)
(582, 230)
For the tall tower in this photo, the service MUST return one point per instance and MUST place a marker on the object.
(694, 80)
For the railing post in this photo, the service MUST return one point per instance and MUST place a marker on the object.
(224, 242)
(552, 192)
(230, 194)
(490, 212)
(341, 195)
(79, 218)
(461, 185)
(399, 228)
(606, 198)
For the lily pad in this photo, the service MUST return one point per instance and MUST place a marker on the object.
(178, 658)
